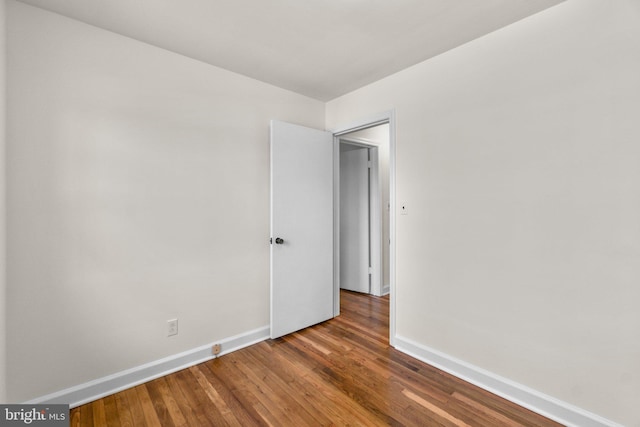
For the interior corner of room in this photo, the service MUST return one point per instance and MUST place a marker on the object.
(503, 221)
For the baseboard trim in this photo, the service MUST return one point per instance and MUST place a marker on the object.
(101, 387)
(526, 397)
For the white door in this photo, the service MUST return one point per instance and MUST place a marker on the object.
(302, 289)
(355, 248)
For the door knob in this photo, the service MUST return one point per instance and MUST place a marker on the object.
(279, 241)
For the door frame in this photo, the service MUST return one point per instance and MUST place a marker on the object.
(376, 284)
(386, 117)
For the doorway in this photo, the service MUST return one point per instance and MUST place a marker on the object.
(290, 158)
(364, 210)
(384, 118)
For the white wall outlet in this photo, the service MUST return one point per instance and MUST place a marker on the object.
(172, 327)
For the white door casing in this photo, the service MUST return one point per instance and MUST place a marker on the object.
(302, 286)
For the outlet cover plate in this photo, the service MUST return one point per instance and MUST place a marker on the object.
(172, 327)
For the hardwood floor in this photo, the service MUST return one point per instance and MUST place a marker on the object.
(341, 372)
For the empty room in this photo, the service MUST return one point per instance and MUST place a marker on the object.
(175, 225)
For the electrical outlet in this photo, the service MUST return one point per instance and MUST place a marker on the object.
(217, 348)
(172, 327)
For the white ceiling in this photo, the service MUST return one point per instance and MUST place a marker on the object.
(319, 48)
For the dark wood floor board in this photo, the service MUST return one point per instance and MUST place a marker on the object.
(135, 409)
(484, 398)
(206, 392)
(232, 397)
(200, 408)
(341, 410)
(170, 402)
(86, 415)
(74, 417)
(354, 340)
(148, 410)
(271, 395)
(99, 415)
(111, 417)
(327, 337)
(111, 411)
(423, 417)
(161, 410)
(364, 324)
(338, 373)
(190, 408)
(309, 393)
(233, 390)
(354, 383)
(121, 402)
(474, 412)
(406, 370)
(283, 373)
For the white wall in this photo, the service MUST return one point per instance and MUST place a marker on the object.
(3, 284)
(138, 191)
(518, 157)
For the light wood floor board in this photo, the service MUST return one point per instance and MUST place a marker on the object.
(340, 372)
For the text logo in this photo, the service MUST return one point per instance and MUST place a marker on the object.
(34, 415)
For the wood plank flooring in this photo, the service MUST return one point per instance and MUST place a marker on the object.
(341, 372)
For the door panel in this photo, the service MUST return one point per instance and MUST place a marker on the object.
(354, 218)
(302, 287)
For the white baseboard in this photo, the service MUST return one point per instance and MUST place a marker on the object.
(101, 387)
(386, 289)
(540, 403)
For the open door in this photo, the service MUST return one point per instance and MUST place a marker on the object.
(302, 287)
